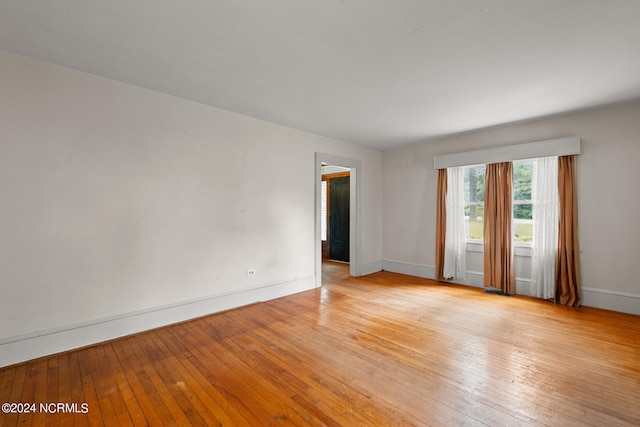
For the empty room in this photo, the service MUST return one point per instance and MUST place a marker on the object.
(339, 212)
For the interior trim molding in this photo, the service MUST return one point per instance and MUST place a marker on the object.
(409, 268)
(611, 300)
(371, 267)
(553, 147)
(30, 346)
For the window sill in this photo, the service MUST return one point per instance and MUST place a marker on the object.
(519, 249)
(474, 245)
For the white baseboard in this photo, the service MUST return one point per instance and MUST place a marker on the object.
(591, 297)
(474, 278)
(370, 268)
(42, 343)
(611, 300)
(408, 268)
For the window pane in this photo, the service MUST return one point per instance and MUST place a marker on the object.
(474, 184)
(523, 211)
(522, 206)
(522, 172)
(523, 230)
(474, 201)
(475, 228)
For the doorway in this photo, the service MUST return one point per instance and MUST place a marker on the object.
(353, 238)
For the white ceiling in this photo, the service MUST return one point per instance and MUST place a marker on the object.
(373, 72)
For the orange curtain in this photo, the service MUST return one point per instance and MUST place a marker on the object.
(441, 223)
(498, 257)
(567, 259)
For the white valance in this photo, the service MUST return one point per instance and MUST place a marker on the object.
(553, 147)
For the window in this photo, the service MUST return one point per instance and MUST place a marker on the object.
(522, 204)
(474, 201)
(538, 220)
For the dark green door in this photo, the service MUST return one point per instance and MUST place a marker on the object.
(339, 219)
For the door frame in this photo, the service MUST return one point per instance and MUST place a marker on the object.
(354, 212)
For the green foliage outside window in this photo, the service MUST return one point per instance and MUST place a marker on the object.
(522, 174)
(474, 180)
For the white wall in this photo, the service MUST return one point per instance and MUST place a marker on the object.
(608, 199)
(117, 202)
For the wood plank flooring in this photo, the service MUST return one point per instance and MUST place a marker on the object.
(385, 350)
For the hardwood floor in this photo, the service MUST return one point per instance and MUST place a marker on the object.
(385, 349)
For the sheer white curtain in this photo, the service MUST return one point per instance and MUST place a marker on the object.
(455, 251)
(544, 195)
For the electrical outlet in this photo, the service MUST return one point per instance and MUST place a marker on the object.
(251, 272)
